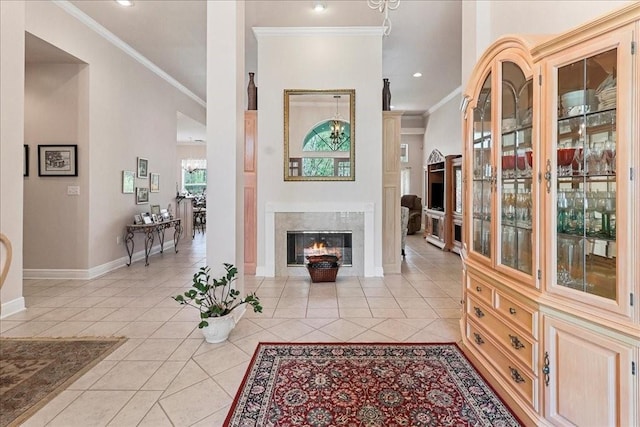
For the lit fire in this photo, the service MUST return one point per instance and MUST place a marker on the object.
(319, 248)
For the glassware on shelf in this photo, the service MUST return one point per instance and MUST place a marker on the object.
(609, 156)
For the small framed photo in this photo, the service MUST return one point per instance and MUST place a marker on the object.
(143, 167)
(25, 163)
(154, 182)
(137, 219)
(155, 209)
(146, 218)
(142, 195)
(57, 160)
(128, 181)
(165, 215)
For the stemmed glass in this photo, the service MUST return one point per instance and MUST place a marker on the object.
(609, 155)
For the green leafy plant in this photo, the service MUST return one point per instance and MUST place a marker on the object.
(216, 297)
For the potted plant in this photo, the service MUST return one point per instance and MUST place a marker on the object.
(217, 301)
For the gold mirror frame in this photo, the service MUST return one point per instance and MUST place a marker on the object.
(293, 165)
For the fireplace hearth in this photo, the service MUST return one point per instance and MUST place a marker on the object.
(302, 244)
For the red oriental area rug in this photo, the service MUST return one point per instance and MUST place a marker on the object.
(370, 385)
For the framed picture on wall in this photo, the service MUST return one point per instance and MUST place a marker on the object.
(154, 183)
(143, 167)
(25, 163)
(142, 195)
(128, 181)
(57, 160)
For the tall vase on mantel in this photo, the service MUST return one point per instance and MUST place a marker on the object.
(252, 92)
(386, 95)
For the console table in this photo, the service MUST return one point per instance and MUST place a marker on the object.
(150, 230)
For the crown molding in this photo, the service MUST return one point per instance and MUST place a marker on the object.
(457, 91)
(316, 31)
(126, 48)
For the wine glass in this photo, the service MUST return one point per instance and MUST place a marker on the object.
(609, 154)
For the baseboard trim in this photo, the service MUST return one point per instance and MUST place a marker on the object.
(91, 273)
(12, 307)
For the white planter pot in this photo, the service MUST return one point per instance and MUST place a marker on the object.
(220, 327)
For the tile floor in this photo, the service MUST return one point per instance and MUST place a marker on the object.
(166, 375)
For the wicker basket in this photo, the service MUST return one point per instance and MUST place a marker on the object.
(320, 272)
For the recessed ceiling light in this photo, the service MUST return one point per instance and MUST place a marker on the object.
(417, 74)
(319, 6)
(125, 3)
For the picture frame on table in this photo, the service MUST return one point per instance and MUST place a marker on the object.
(58, 160)
(146, 218)
(154, 182)
(142, 195)
(164, 213)
(155, 209)
(25, 163)
(128, 182)
(143, 167)
(137, 219)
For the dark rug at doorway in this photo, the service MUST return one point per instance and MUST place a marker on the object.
(371, 385)
(34, 371)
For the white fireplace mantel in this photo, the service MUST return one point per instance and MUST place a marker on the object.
(272, 208)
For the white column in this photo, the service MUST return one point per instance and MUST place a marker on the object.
(12, 24)
(225, 134)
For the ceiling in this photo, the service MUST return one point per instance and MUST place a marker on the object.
(425, 37)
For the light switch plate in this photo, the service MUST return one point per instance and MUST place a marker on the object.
(73, 190)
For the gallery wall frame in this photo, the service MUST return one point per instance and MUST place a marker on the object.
(58, 160)
(128, 182)
(154, 182)
(142, 195)
(143, 167)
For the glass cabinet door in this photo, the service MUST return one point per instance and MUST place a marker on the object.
(482, 172)
(515, 181)
(586, 161)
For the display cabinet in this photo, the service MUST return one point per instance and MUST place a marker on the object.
(551, 271)
(454, 203)
(435, 230)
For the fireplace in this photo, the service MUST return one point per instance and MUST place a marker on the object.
(301, 244)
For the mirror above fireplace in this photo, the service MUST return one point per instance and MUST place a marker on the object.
(319, 135)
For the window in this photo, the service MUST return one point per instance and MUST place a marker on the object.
(194, 175)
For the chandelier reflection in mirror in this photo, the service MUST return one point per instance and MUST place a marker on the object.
(384, 6)
(338, 139)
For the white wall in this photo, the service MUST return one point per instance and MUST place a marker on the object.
(485, 21)
(297, 61)
(131, 113)
(56, 225)
(12, 16)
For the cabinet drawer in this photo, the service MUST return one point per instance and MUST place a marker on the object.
(521, 346)
(519, 379)
(519, 314)
(480, 291)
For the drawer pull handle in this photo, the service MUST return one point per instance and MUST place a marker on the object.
(516, 375)
(477, 338)
(479, 312)
(478, 288)
(512, 310)
(545, 369)
(515, 342)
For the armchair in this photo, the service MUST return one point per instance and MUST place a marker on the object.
(414, 203)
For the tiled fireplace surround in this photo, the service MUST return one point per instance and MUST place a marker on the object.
(283, 217)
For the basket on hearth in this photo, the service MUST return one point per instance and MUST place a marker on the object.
(323, 268)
